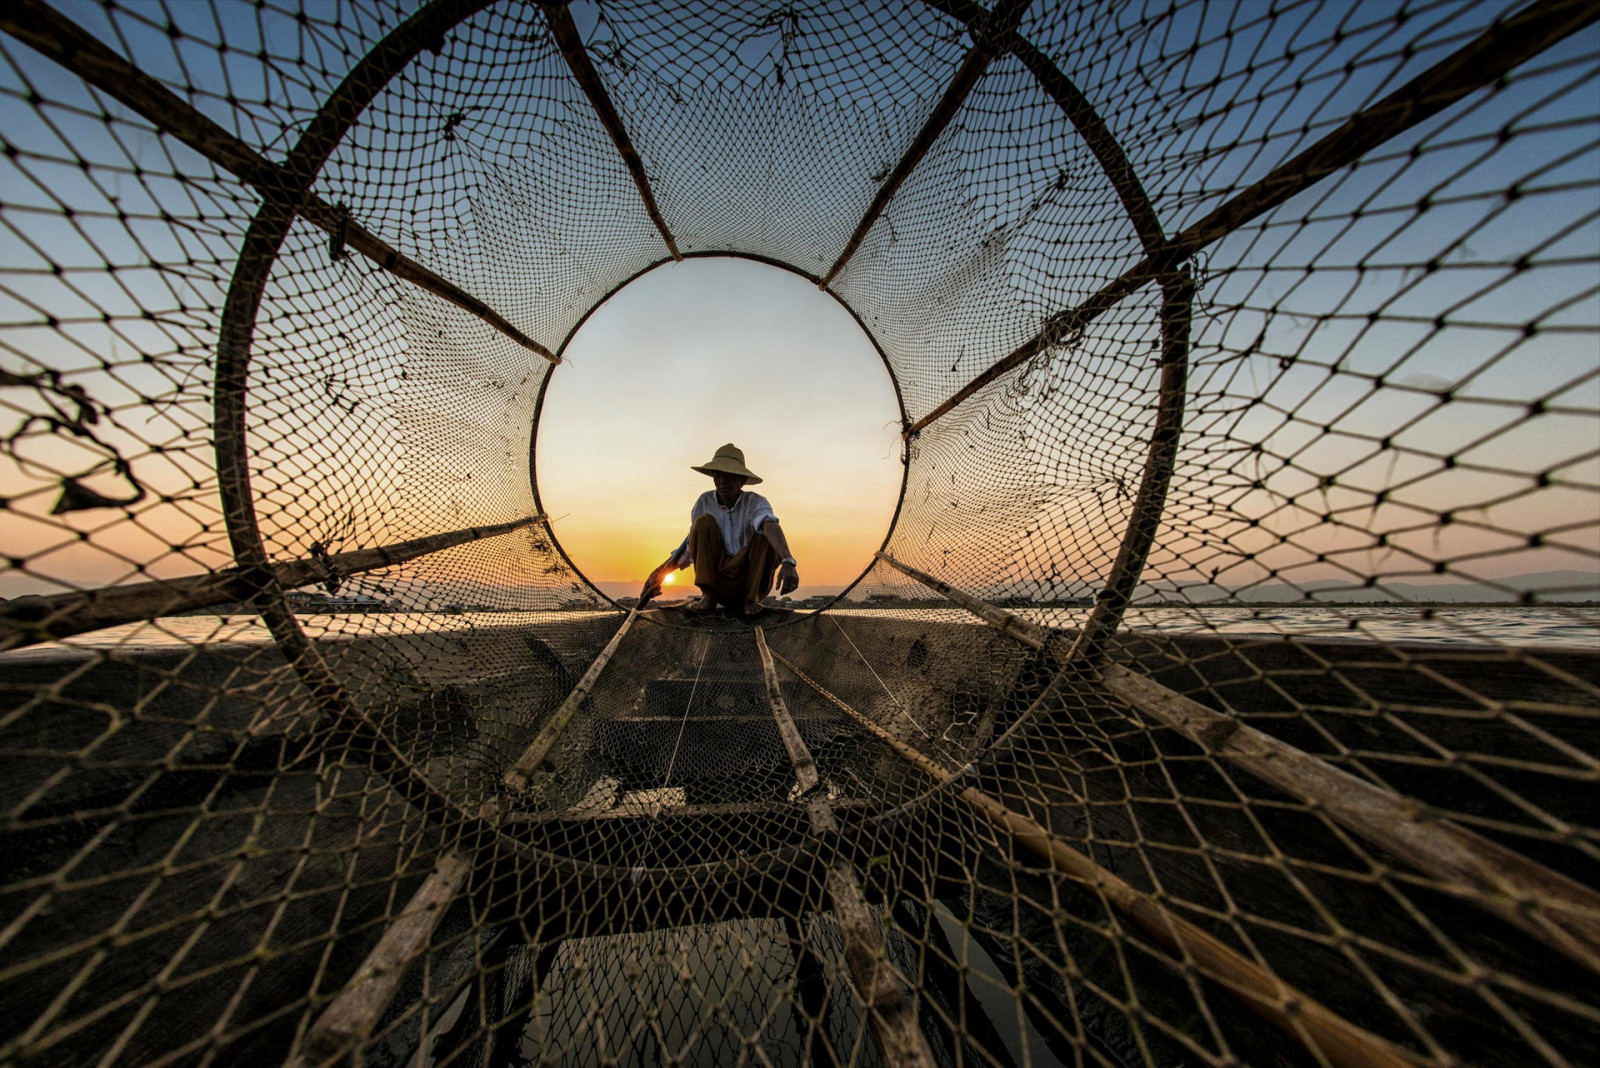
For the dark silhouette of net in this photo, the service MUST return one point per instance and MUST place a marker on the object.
(1225, 691)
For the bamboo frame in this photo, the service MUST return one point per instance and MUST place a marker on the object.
(1323, 1032)
(568, 40)
(890, 1009)
(1480, 63)
(57, 37)
(1558, 911)
(805, 768)
(984, 30)
(517, 776)
(1549, 906)
(350, 1018)
(27, 620)
(1144, 519)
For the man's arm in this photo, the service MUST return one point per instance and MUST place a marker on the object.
(658, 577)
(788, 574)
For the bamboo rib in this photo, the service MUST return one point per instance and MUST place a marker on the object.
(570, 43)
(1322, 1031)
(1547, 905)
(517, 776)
(805, 768)
(891, 1011)
(48, 32)
(352, 1016)
(27, 620)
(1480, 63)
(984, 29)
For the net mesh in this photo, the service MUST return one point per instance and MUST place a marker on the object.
(1226, 691)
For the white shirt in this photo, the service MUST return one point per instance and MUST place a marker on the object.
(738, 523)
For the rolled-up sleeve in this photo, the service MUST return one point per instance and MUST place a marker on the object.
(761, 513)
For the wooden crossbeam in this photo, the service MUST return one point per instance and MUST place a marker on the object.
(890, 1009)
(1326, 1034)
(53, 35)
(1480, 63)
(517, 776)
(984, 29)
(1558, 911)
(350, 1018)
(570, 42)
(27, 620)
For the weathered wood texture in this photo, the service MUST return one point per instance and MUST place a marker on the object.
(516, 777)
(805, 768)
(1324, 1033)
(1480, 63)
(565, 32)
(27, 620)
(890, 1009)
(350, 1019)
(52, 34)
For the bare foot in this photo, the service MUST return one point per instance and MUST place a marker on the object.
(704, 603)
(752, 608)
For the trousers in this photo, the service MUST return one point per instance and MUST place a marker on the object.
(732, 580)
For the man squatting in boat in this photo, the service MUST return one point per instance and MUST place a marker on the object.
(734, 543)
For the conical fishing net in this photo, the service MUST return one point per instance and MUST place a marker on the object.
(1226, 690)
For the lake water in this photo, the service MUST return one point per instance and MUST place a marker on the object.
(1510, 625)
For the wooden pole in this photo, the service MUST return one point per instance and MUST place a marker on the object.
(984, 30)
(891, 1011)
(517, 776)
(352, 1016)
(805, 768)
(1323, 1032)
(53, 35)
(1005, 622)
(1558, 911)
(1547, 905)
(27, 620)
(1480, 63)
(565, 32)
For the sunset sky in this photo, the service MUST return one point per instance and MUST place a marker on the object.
(703, 352)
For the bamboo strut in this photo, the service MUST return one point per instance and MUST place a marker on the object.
(352, 1016)
(984, 29)
(565, 32)
(27, 620)
(1482, 62)
(1547, 905)
(805, 768)
(1556, 910)
(517, 776)
(1322, 1031)
(47, 31)
(891, 1011)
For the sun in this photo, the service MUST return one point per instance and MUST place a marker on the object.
(670, 579)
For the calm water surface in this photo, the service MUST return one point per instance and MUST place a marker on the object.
(1511, 625)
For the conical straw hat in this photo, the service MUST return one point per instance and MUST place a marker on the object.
(730, 460)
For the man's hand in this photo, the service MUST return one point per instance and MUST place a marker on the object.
(788, 578)
(653, 584)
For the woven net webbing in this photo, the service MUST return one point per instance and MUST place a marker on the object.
(1226, 691)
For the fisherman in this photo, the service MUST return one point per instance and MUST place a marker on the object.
(734, 543)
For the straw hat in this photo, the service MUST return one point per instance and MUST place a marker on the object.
(729, 460)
